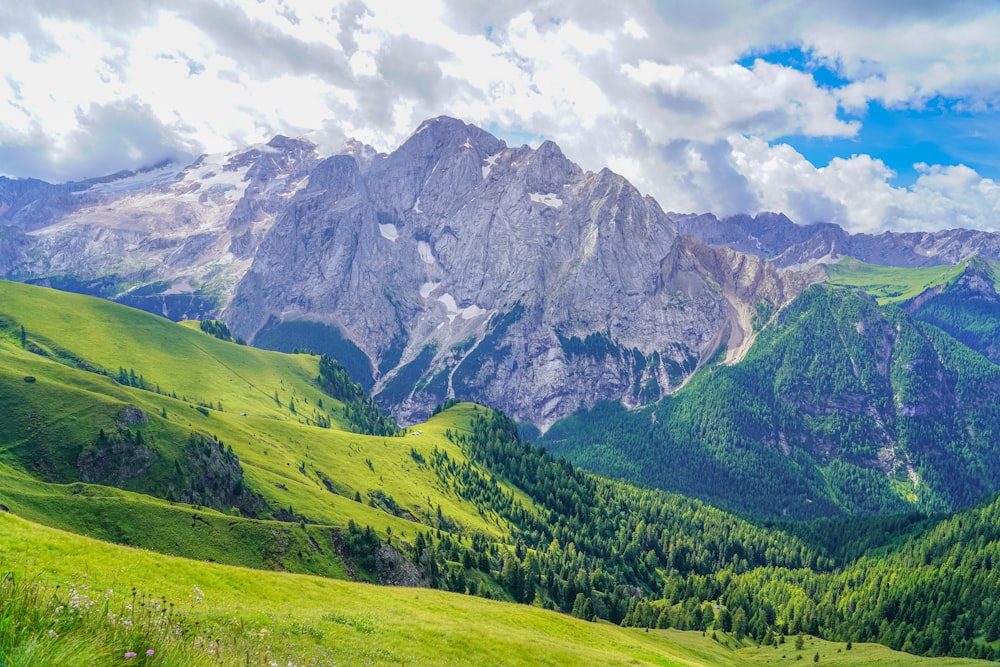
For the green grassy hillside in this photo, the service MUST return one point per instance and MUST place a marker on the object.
(129, 428)
(891, 284)
(227, 615)
(967, 309)
(61, 389)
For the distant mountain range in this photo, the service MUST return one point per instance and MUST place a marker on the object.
(776, 371)
(455, 266)
(787, 245)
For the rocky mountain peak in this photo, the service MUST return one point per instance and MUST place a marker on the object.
(442, 135)
(453, 266)
(456, 266)
(548, 170)
(979, 277)
(365, 154)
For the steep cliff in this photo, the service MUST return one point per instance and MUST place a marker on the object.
(461, 267)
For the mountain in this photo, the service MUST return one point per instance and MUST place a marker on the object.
(464, 268)
(967, 308)
(779, 241)
(173, 239)
(458, 267)
(453, 267)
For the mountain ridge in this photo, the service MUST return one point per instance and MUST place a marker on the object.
(453, 267)
(789, 245)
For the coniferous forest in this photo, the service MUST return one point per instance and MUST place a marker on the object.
(923, 585)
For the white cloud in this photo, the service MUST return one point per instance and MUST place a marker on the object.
(856, 192)
(707, 103)
(655, 90)
(908, 64)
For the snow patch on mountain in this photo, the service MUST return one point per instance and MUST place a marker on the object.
(139, 180)
(467, 313)
(213, 169)
(547, 199)
(426, 255)
(490, 161)
(427, 289)
(472, 312)
(388, 231)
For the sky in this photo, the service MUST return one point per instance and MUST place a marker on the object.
(873, 114)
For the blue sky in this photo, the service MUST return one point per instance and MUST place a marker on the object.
(873, 115)
(939, 130)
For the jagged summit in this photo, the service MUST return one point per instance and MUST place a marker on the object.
(459, 266)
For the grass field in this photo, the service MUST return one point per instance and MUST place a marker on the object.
(892, 284)
(306, 620)
(286, 460)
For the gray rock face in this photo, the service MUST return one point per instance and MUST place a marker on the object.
(172, 240)
(464, 268)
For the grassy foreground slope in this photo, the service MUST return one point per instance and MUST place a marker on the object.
(264, 406)
(95, 444)
(314, 621)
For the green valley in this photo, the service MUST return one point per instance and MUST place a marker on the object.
(264, 489)
(219, 615)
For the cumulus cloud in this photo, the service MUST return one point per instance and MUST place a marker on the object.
(679, 97)
(857, 193)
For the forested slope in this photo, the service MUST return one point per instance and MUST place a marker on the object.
(841, 406)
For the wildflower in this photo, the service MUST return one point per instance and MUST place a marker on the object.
(53, 634)
(149, 653)
(129, 655)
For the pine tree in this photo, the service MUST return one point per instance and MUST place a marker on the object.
(740, 623)
(725, 620)
(583, 607)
